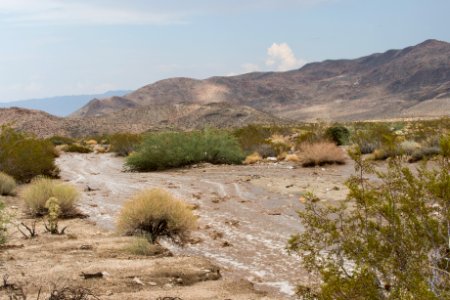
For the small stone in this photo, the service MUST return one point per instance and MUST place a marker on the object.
(168, 286)
(151, 283)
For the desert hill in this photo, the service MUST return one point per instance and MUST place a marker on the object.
(414, 81)
(156, 117)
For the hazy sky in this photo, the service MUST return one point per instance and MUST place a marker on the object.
(63, 47)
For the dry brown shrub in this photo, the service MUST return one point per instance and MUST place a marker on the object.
(320, 153)
(252, 158)
(156, 213)
(292, 157)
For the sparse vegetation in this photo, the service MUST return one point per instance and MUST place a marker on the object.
(176, 149)
(25, 157)
(41, 189)
(4, 220)
(320, 153)
(252, 158)
(61, 140)
(388, 240)
(7, 184)
(77, 148)
(338, 134)
(125, 143)
(156, 213)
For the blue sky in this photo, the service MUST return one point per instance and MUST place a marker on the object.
(64, 47)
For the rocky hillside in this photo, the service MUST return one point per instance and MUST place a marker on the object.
(156, 117)
(414, 81)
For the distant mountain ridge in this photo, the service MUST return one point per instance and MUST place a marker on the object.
(60, 105)
(414, 81)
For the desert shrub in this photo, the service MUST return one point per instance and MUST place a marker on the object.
(338, 134)
(371, 136)
(125, 143)
(280, 143)
(141, 246)
(166, 150)
(292, 158)
(266, 150)
(156, 213)
(424, 153)
(388, 240)
(253, 136)
(408, 147)
(4, 220)
(25, 157)
(7, 184)
(41, 189)
(61, 140)
(320, 153)
(252, 158)
(77, 148)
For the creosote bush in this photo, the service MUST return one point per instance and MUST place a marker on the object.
(390, 239)
(338, 134)
(320, 153)
(24, 157)
(7, 184)
(77, 148)
(41, 189)
(166, 150)
(156, 213)
(124, 143)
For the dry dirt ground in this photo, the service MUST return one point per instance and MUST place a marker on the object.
(246, 215)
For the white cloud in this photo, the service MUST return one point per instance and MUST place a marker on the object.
(80, 12)
(248, 68)
(282, 58)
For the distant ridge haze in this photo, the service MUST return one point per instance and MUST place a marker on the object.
(61, 105)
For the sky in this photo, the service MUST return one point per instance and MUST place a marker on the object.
(71, 47)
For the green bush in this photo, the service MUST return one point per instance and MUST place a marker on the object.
(61, 140)
(7, 184)
(76, 148)
(41, 189)
(124, 143)
(25, 157)
(156, 213)
(338, 134)
(388, 240)
(166, 150)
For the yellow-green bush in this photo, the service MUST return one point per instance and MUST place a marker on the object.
(7, 184)
(25, 157)
(77, 148)
(124, 143)
(41, 189)
(156, 213)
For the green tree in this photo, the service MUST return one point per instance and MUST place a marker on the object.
(388, 240)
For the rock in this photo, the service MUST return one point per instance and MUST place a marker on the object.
(138, 281)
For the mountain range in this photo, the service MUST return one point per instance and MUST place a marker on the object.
(414, 81)
(411, 82)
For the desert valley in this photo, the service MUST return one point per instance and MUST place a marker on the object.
(326, 181)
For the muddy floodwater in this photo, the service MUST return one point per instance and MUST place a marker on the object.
(247, 213)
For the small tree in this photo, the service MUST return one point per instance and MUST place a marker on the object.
(388, 240)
